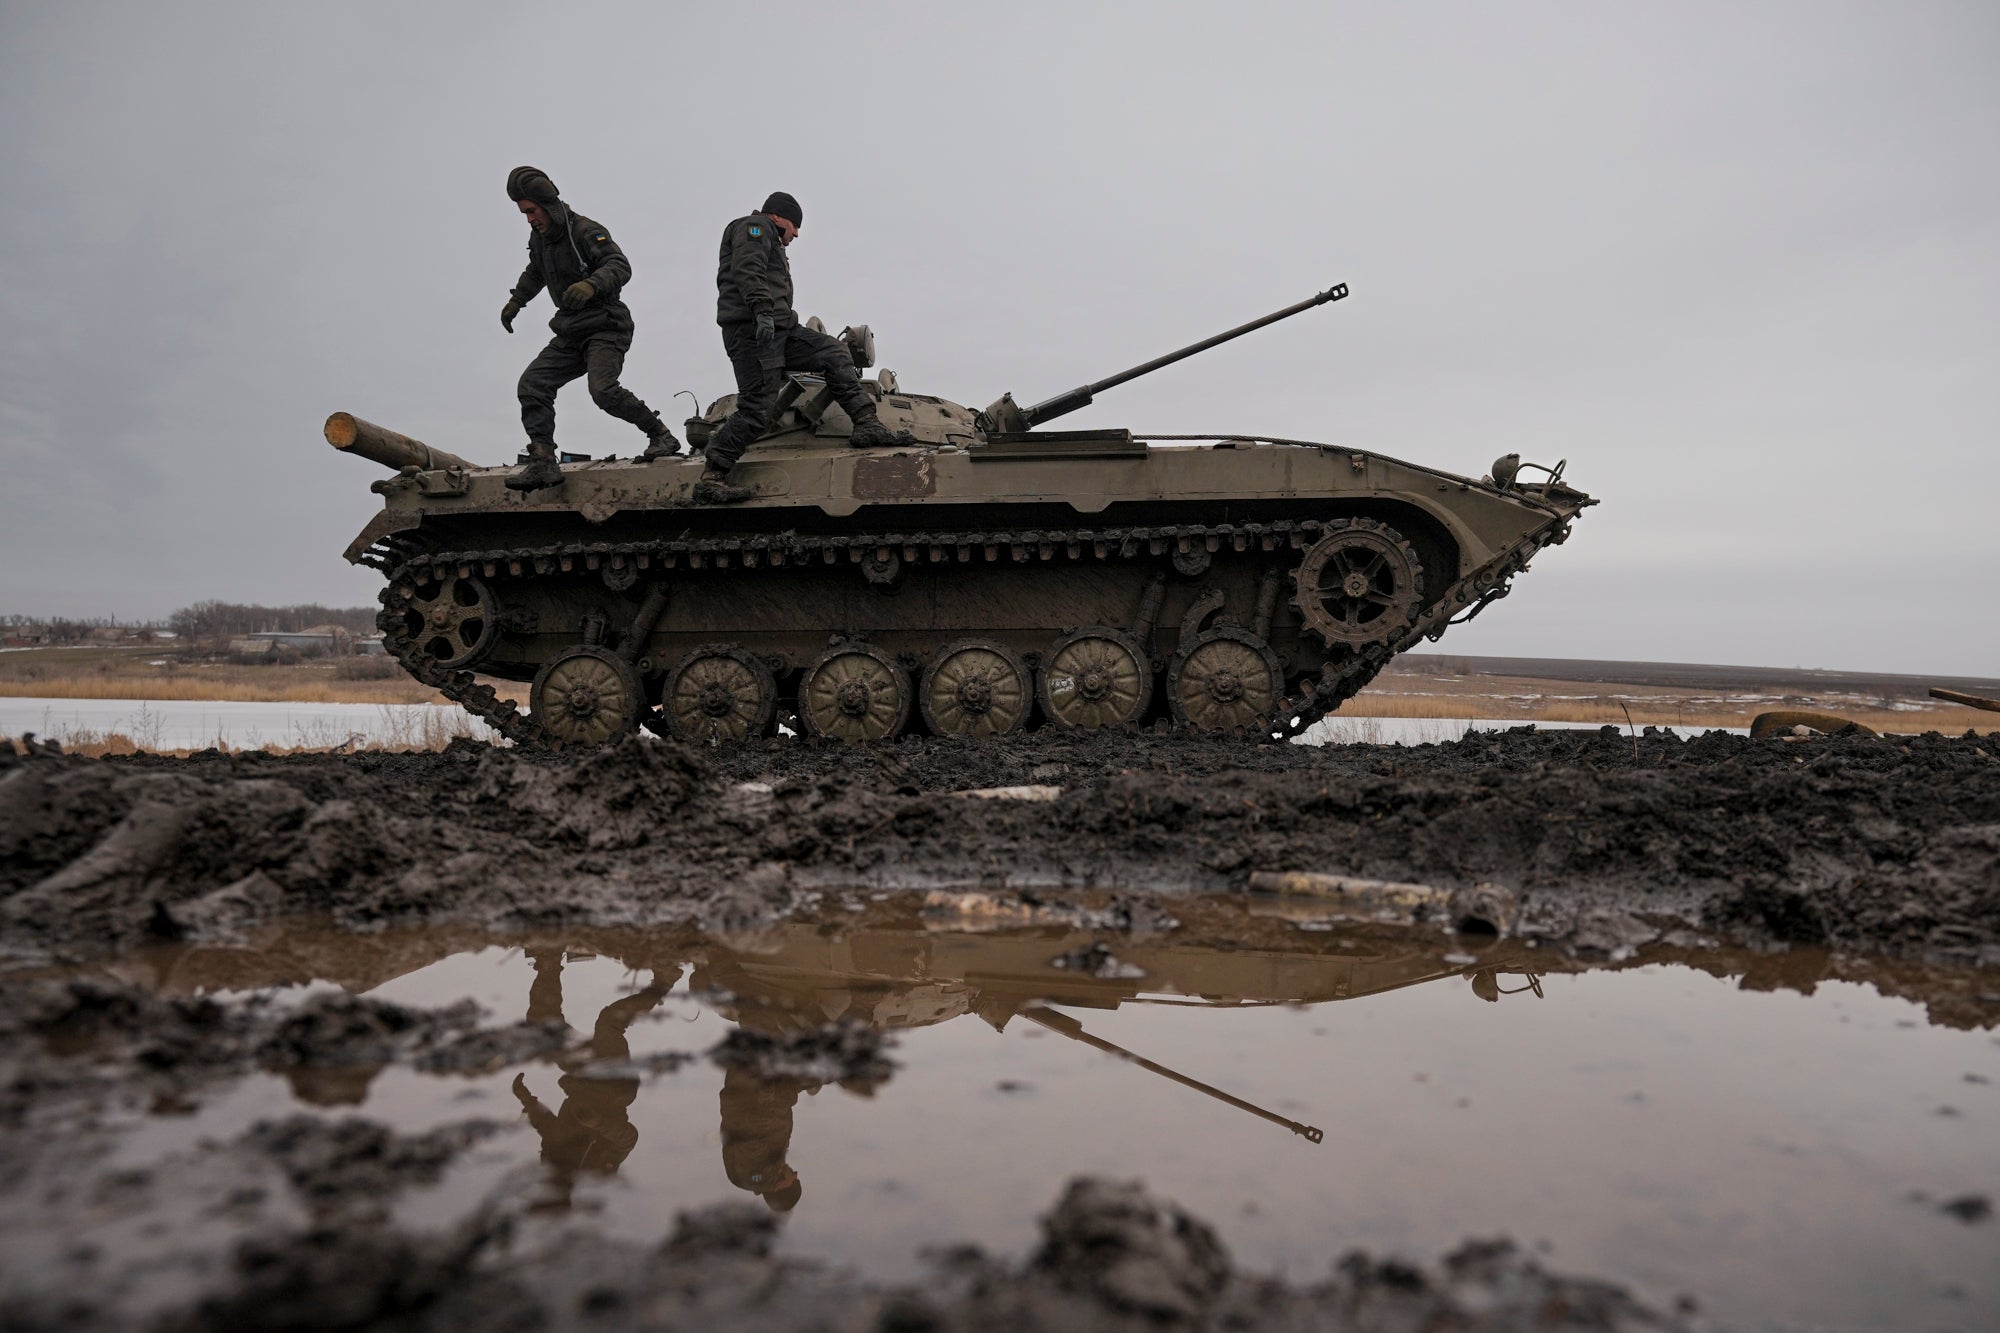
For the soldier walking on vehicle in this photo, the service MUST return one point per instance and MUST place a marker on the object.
(764, 339)
(583, 270)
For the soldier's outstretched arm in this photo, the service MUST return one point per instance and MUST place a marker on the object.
(538, 1115)
(524, 292)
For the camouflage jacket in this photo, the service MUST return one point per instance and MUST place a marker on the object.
(576, 249)
(752, 273)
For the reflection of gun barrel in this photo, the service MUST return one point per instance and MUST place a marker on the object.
(1069, 1027)
(379, 444)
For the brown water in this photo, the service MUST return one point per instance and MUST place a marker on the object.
(1780, 1153)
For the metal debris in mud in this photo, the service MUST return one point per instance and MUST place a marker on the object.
(1794, 1138)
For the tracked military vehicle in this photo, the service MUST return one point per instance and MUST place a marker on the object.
(990, 576)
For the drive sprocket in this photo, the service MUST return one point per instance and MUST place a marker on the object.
(1359, 584)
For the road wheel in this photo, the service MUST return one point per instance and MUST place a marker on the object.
(1095, 677)
(1227, 679)
(975, 688)
(719, 692)
(586, 696)
(855, 693)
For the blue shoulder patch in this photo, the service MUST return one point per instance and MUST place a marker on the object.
(756, 230)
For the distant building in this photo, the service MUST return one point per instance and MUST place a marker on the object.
(329, 640)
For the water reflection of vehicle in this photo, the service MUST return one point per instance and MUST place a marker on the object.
(902, 972)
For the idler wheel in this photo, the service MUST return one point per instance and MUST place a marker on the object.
(854, 693)
(975, 688)
(454, 619)
(1095, 677)
(587, 696)
(1225, 680)
(1359, 584)
(719, 692)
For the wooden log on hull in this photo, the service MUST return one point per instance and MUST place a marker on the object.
(393, 450)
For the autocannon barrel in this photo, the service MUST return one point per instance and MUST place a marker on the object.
(1007, 416)
(350, 434)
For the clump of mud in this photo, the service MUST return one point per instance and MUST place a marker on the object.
(1112, 1258)
(1887, 844)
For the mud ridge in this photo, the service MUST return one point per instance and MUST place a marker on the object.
(1891, 845)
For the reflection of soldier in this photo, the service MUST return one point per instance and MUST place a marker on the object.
(756, 1108)
(757, 1135)
(592, 1131)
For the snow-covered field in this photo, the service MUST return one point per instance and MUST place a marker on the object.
(191, 724)
(1338, 730)
(177, 724)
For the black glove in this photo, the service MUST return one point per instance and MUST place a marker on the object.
(578, 295)
(767, 327)
(507, 313)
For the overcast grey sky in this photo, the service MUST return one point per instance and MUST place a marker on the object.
(1739, 263)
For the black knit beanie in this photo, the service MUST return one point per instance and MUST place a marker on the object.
(782, 205)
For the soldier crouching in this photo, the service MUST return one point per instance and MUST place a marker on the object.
(763, 337)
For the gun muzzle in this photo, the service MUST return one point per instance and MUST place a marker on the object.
(350, 434)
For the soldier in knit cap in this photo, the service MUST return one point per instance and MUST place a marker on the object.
(764, 339)
(583, 270)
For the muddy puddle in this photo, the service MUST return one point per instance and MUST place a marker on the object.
(1786, 1139)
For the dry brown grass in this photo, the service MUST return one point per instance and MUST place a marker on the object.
(145, 673)
(221, 683)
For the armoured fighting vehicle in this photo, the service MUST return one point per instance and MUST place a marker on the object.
(992, 575)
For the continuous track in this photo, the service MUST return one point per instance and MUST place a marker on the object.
(408, 564)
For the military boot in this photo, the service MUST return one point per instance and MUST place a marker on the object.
(660, 443)
(715, 488)
(870, 433)
(541, 472)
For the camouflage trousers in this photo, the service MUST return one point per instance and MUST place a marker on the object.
(601, 357)
(760, 371)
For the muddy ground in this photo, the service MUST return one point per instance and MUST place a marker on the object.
(1596, 845)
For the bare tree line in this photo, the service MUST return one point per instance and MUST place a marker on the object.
(206, 620)
(218, 619)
